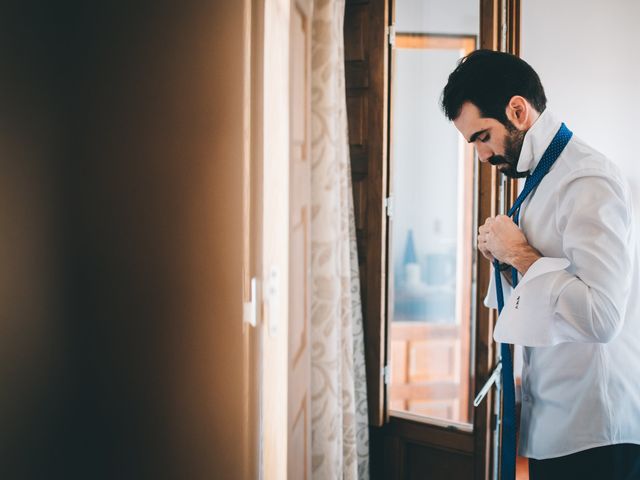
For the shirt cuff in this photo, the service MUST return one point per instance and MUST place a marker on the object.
(490, 300)
(527, 317)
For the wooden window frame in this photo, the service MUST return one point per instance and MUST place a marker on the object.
(366, 68)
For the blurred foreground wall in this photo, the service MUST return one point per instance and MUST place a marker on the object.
(120, 190)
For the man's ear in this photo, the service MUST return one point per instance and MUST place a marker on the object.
(518, 112)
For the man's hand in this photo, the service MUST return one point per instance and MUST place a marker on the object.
(482, 239)
(499, 236)
(501, 239)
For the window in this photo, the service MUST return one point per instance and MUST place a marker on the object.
(431, 231)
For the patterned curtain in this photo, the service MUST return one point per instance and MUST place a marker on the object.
(339, 425)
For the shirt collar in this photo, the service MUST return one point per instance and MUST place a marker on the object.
(536, 141)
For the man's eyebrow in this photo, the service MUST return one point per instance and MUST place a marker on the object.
(475, 136)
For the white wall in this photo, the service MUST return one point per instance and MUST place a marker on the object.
(586, 53)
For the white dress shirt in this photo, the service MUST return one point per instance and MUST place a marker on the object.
(576, 311)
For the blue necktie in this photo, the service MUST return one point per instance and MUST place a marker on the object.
(508, 458)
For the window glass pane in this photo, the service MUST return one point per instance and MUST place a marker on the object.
(425, 180)
(432, 225)
(451, 17)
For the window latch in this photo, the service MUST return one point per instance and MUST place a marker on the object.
(250, 313)
(391, 33)
(388, 205)
(494, 378)
(386, 374)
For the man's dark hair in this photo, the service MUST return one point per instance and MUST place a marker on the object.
(489, 79)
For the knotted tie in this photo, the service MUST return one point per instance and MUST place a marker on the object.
(508, 456)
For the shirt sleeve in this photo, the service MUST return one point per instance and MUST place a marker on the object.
(581, 297)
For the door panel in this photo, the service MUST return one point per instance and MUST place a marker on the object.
(286, 214)
(299, 421)
(439, 464)
(275, 239)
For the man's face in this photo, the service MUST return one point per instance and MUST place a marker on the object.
(495, 143)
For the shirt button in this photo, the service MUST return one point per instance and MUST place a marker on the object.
(526, 398)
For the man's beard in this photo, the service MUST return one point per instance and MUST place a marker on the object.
(512, 148)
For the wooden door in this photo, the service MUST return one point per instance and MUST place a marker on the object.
(285, 188)
(274, 361)
(299, 391)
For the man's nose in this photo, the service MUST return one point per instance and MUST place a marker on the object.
(484, 153)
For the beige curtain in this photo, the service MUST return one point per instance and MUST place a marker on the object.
(340, 439)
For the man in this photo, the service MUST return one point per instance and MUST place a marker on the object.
(575, 309)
